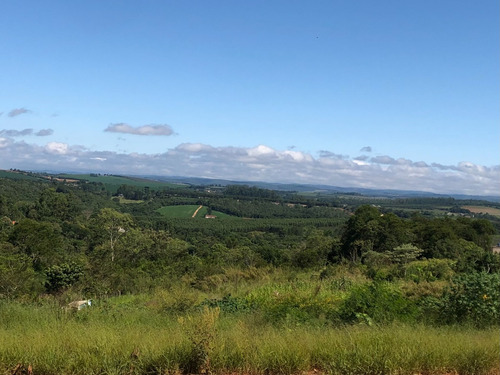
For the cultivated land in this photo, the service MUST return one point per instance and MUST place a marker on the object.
(483, 210)
(187, 211)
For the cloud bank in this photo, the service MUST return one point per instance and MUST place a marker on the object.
(25, 132)
(260, 163)
(141, 130)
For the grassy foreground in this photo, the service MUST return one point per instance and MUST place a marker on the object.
(128, 340)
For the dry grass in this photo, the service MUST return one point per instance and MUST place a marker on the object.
(483, 210)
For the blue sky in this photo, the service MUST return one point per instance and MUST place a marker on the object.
(383, 94)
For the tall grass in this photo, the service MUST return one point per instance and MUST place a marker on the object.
(128, 339)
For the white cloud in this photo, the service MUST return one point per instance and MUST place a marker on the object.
(4, 142)
(56, 148)
(260, 163)
(141, 130)
(259, 151)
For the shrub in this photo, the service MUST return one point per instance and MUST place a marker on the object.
(473, 298)
(201, 333)
(62, 276)
(430, 270)
(228, 304)
(378, 302)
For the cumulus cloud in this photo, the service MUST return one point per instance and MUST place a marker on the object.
(18, 111)
(152, 129)
(57, 148)
(260, 163)
(44, 132)
(366, 149)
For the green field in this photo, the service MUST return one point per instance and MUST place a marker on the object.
(113, 182)
(17, 176)
(187, 211)
(178, 211)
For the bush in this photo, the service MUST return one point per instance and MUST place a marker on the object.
(378, 302)
(473, 298)
(430, 270)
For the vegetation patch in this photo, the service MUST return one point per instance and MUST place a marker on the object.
(337, 284)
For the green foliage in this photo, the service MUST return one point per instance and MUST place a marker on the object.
(62, 276)
(370, 230)
(43, 242)
(380, 302)
(430, 270)
(17, 276)
(228, 304)
(473, 298)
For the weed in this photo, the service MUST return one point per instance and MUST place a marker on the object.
(200, 331)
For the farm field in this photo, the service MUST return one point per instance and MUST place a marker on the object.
(17, 176)
(483, 210)
(113, 182)
(187, 211)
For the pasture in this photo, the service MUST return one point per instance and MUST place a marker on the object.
(187, 211)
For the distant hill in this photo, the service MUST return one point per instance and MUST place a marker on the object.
(112, 182)
(328, 189)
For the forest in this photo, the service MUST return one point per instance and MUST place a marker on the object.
(268, 282)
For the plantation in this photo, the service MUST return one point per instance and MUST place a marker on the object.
(277, 283)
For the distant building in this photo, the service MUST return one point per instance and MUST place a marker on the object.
(210, 216)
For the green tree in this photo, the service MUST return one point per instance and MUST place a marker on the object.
(43, 242)
(17, 276)
(360, 233)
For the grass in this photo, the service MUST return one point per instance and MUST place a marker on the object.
(187, 211)
(172, 331)
(182, 211)
(128, 201)
(124, 339)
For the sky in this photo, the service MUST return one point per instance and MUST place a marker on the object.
(382, 94)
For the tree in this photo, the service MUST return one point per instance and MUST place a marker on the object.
(360, 233)
(17, 276)
(43, 242)
(113, 226)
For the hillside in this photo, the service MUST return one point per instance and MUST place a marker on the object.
(278, 273)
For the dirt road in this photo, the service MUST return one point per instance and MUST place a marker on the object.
(199, 208)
